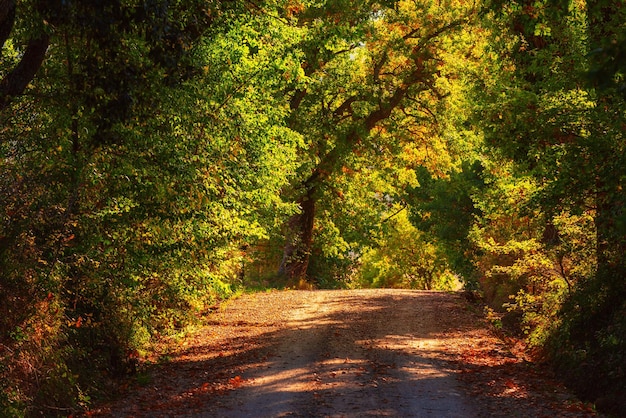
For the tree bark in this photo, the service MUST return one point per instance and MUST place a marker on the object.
(7, 18)
(299, 238)
(15, 82)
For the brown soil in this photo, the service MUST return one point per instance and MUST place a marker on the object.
(345, 353)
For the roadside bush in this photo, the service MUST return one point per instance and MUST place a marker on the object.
(589, 345)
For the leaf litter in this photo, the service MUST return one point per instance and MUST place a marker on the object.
(343, 353)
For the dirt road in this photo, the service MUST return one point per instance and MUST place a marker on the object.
(362, 353)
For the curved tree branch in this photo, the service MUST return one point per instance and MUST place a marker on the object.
(7, 18)
(15, 82)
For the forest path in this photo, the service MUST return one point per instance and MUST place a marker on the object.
(344, 353)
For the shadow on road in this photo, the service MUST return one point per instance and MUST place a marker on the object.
(344, 354)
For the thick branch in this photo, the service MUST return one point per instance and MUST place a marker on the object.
(366, 124)
(15, 82)
(296, 99)
(346, 106)
(7, 18)
(384, 110)
(379, 65)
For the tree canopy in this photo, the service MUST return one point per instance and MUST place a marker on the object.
(157, 157)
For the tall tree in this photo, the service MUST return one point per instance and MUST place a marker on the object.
(365, 63)
(15, 80)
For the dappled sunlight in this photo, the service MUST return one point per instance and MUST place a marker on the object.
(404, 343)
(339, 353)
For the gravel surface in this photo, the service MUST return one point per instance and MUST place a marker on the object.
(345, 353)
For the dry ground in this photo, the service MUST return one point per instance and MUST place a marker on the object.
(345, 353)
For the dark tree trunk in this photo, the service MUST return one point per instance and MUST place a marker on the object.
(299, 239)
(7, 18)
(14, 83)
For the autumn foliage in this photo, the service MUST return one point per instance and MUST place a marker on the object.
(158, 157)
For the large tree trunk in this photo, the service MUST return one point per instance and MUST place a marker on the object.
(299, 238)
